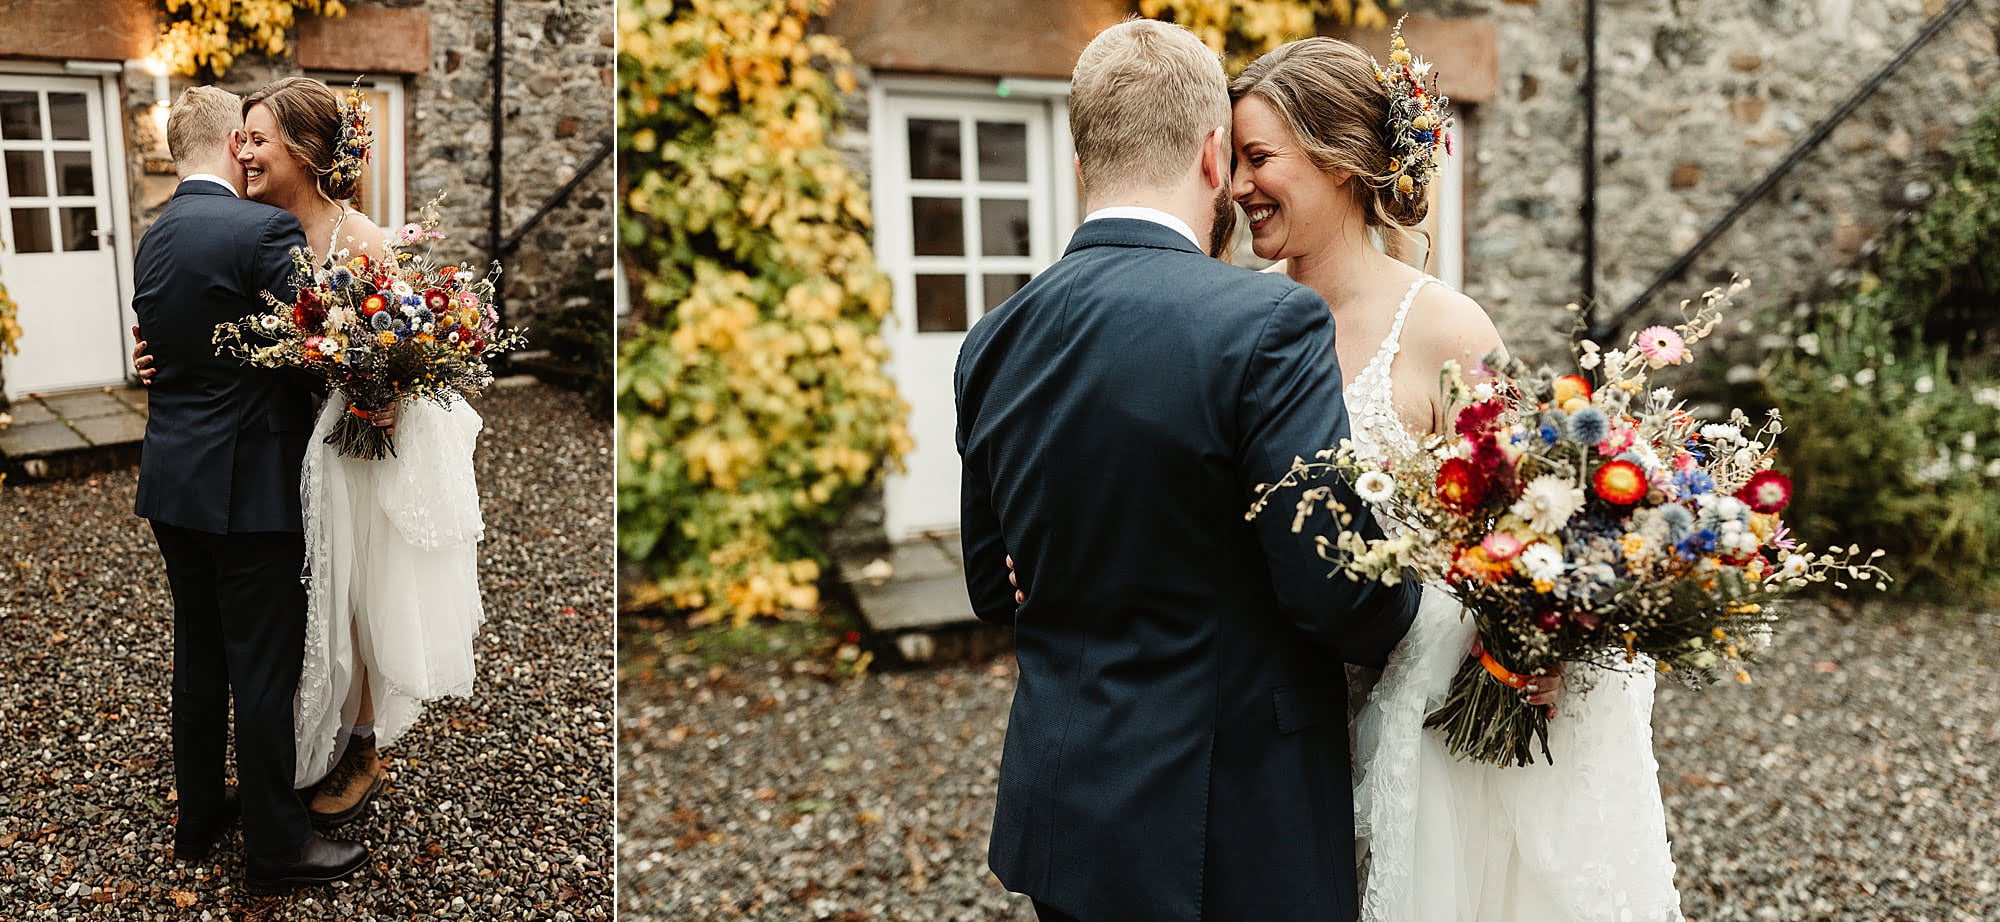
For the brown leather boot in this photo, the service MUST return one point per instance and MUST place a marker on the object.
(352, 784)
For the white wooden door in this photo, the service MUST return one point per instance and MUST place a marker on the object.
(57, 253)
(968, 209)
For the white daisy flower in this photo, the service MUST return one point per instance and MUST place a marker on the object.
(1547, 502)
(1540, 561)
(1375, 487)
(1722, 432)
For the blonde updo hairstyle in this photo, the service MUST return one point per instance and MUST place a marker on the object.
(1325, 90)
(308, 117)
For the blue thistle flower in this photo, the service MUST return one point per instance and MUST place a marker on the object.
(1589, 426)
(381, 322)
(340, 277)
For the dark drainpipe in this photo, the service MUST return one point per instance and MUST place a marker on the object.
(498, 127)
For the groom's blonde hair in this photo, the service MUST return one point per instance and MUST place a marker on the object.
(1143, 96)
(200, 123)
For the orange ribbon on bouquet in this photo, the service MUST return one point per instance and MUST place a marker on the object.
(1507, 677)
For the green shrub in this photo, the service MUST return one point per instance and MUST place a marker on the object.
(1893, 443)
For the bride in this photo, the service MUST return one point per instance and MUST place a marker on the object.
(391, 546)
(1321, 172)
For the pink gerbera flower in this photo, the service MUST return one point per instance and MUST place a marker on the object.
(1501, 547)
(1661, 346)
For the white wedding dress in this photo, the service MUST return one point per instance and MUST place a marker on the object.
(391, 555)
(1446, 839)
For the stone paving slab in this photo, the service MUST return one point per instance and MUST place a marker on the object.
(29, 411)
(88, 405)
(36, 440)
(122, 429)
(62, 435)
(922, 588)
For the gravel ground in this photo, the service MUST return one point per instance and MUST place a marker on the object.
(498, 807)
(1849, 782)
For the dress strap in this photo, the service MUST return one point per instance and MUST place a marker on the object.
(1385, 355)
(333, 239)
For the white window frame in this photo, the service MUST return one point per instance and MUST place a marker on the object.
(390, 141)
(891, 189)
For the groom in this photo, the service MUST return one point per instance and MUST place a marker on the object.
(219, 480)
(1177, 748)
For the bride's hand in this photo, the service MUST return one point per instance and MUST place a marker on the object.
(142, 359)
(1015, 579)
(383, 419)
(1546, 690)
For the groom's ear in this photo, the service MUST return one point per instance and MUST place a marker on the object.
(235, 142)
(1215, 158)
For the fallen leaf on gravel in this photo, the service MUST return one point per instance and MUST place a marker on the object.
(1827, 667)
(8, 840)
(181, 898)
(59, 636)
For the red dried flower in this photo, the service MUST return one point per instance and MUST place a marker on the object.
(1478, 417)
(1767, 492)
(1461, 486)
(1620, 482)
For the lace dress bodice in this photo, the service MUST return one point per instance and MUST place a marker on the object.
(1374, 425)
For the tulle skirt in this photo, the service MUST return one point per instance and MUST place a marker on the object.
(392, 578)
(1445, 839)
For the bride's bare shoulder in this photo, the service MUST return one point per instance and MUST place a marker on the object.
(359, 235)
(1446, 324)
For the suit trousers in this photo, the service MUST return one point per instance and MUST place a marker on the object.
(239, 627)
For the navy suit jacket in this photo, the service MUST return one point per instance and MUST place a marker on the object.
(225, 439)
(1177, 748)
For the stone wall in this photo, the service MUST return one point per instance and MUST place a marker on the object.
(1697, 100)
(557, 106)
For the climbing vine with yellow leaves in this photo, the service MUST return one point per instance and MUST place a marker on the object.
(210, 35)
(753, 400)
(10, 323)
(1243, 29)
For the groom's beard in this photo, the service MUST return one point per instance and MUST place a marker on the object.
(1223, 230)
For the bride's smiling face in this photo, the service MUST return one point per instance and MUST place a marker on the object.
(1292, 204)
(270, 173)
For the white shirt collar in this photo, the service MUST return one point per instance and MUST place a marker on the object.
(1142, 213)
(211, 177)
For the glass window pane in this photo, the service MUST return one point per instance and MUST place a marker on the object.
(938, 225)
(941, 304)
(31, 231)
(25, 175)
(73, 173)
(1003, 151)
(934, 149)
(79, 226)
(69, 116)
(1003, 226)
(1000, 287)
(20, 116)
